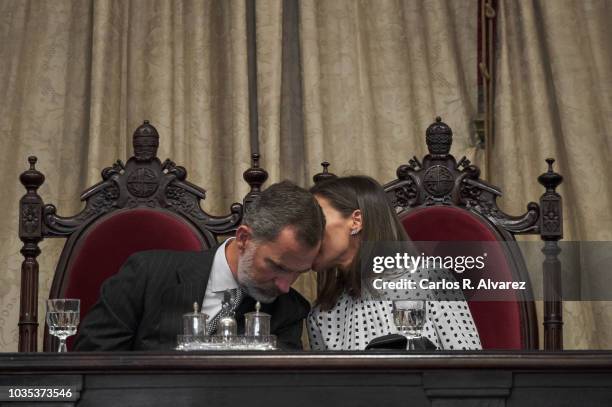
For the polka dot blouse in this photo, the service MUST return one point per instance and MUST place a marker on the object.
(353, 322)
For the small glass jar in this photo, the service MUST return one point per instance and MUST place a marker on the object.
(194, 323)
(257, 323)
(227, 326)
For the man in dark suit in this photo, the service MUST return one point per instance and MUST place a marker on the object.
(140, 308)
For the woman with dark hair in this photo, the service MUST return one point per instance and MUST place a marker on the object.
(345, 317)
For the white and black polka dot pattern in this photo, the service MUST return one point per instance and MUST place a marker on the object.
(352, 323)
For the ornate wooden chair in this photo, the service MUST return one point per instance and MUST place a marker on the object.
(142, 205)
(441, 199)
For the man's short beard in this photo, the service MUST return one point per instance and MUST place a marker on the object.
(246, 282)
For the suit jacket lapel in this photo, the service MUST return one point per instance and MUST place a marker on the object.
(177, 300)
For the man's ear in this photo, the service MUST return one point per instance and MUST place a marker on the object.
(243, 236)
(356, 222)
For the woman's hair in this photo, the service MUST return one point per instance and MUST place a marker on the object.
(379, 224)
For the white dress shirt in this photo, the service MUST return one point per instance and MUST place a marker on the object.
(220, 279)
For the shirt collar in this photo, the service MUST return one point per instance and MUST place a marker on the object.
(221, 277)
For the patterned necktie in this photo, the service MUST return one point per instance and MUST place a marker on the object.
(231, 297)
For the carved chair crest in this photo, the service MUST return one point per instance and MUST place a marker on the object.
(441, 180)
(144, 181)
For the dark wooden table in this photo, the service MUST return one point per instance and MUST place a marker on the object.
(316, 379)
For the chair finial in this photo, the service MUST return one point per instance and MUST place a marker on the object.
(439, 137)
(322, 176)
(31, 178)
(145, 142)
(550, 179)
(255, 177)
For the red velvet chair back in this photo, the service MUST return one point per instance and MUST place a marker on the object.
(143, 204)
(447, 223)
(107, 244)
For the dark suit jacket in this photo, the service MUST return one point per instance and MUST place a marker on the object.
(141, 307)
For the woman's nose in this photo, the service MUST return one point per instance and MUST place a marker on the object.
(284, 283)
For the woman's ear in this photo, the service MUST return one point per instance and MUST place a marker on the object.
(356, 222)
(243, 236)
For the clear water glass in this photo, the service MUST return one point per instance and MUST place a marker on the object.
(62, 319)
(409, 318)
